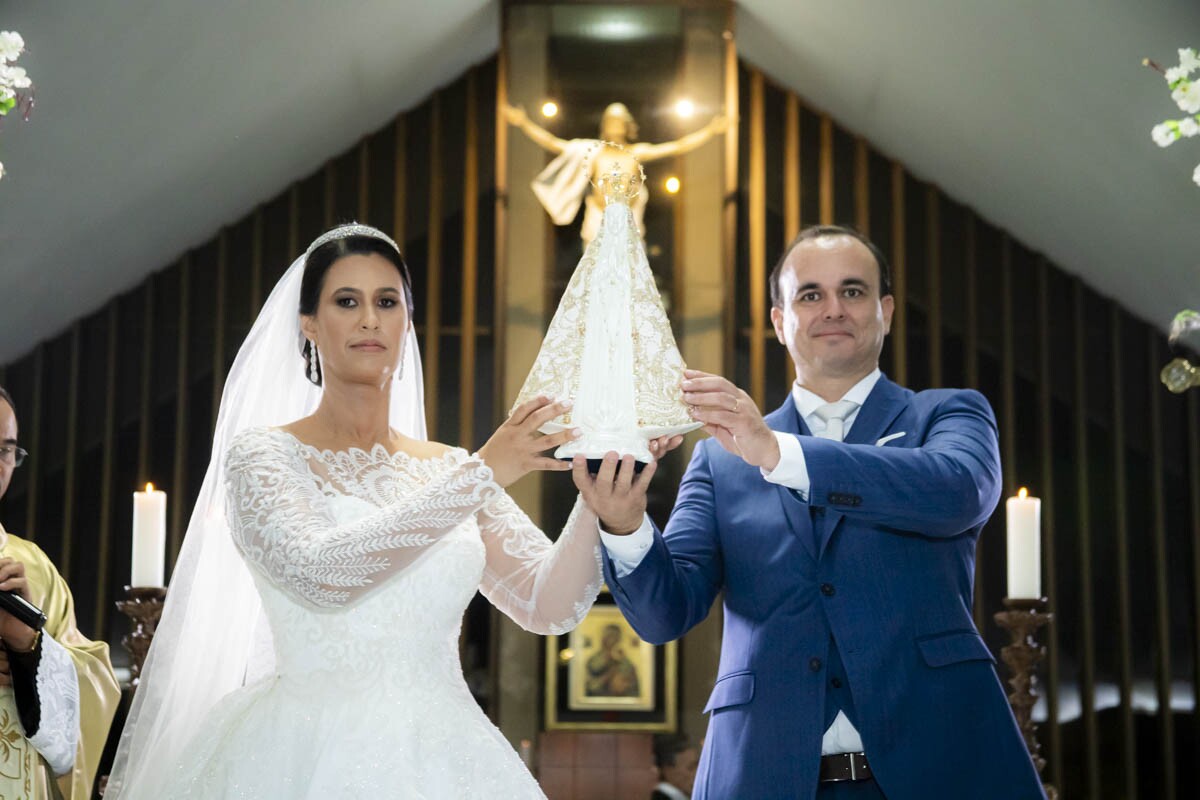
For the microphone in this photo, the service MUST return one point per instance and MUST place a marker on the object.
(22, 609)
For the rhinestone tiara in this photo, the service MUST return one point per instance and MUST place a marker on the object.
(351, 229)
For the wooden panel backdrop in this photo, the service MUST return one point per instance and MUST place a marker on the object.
(128, 394)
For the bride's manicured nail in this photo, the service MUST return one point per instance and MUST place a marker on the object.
(566, 403)
(576, 433)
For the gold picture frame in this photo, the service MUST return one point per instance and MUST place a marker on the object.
(603, 676)
(611, 666)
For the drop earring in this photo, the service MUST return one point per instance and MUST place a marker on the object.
(314, 365)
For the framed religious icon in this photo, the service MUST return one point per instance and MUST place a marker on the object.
(603, 676)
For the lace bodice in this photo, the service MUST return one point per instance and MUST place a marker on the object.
(327, 528)
(365, 561)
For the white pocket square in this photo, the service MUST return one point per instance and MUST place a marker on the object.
(889, 437)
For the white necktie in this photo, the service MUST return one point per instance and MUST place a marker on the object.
(842, 736)
(834, 415)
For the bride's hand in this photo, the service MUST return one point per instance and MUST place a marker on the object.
(515, 447)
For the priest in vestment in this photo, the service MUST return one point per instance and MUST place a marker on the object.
(58, 692)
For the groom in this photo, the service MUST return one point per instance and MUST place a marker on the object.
(841, 530)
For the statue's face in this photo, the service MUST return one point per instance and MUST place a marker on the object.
(833, 319)
(616, 127)
(361, 321)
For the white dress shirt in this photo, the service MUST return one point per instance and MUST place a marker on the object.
(628, 551)
(671, 790)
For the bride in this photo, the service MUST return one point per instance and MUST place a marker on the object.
(309, 646)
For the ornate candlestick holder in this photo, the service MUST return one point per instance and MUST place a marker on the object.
(1022, 620)
(144, 605)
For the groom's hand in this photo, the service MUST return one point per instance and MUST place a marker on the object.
(731, 417)
(615, 494)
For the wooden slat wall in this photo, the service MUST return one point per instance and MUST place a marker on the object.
(70, 468)
(965, 284)
(470, 268)
(1193, 414)
(758, 242)
(107, 481)
(1007, 410)
(372, 183)
(1158, 529)
(1053, 730)
(899, 263)
(431, 350)
(182, 381)
(1121, 537)
(791, 185)
(34, 476)
(1087, 677)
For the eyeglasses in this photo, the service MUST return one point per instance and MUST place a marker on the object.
(12, 455)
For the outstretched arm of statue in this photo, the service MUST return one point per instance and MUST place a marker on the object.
(541, 137)
(645, 152)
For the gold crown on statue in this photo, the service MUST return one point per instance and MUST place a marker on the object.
(616, 183)
(348, 230)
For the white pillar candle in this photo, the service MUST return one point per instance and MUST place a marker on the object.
(1024, 546)
(149, 537)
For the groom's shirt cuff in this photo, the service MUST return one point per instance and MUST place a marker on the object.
(627, 551)
(792, 469)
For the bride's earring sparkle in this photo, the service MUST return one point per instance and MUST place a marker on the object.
(314, 367)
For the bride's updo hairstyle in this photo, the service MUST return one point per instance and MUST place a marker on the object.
(324, 256)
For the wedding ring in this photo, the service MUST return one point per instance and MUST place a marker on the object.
(737, 401)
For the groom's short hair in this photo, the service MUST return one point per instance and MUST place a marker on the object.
(820, 232)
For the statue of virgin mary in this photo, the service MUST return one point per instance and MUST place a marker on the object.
(609, 348)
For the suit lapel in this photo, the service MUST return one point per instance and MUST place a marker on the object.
(786, 419)
(883, 405)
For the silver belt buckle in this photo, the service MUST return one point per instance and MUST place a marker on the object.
(853, 769)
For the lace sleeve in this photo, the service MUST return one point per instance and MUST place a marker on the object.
(57, 736)
(544, 587)
(283, 526)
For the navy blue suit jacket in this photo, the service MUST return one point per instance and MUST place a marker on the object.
(874, 574)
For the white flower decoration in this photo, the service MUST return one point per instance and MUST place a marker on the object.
(1188, 126)
(1187, 96)
(2, 169)
(1164, 134)
(11, 45)
(1174, 74)
(15, 77)
(1188, 60)
(1196, 175)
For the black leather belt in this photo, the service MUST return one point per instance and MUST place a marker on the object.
(845, 767)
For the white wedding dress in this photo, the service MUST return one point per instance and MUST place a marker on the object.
(365, 562)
